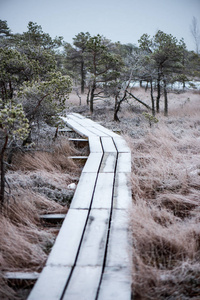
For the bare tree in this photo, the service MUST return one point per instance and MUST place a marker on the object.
(195, 33)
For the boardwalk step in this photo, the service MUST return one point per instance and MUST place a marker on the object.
(53, 218)
(78, 140)
(63, 130)
(21, 275)
(78, 157)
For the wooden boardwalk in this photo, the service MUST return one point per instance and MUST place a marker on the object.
(91, 258)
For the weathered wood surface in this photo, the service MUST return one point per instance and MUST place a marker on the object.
(53, 216)
(21, 275)
(91, 257)
(78, 157)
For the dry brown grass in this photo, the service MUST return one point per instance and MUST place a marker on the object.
(51, 161)
(166, 218)
(24, 242)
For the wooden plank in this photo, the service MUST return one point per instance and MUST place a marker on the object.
(108, 163)
(93, 163)
(51, 283)
(121, 144)
(95, 144)
(124, 162)
(93, 126)
(81, 120)
(119, 231)
(84, 191)
(103, 191)
(78, 157)
(83, 284)
(21, 275)
(77, 127)
(65, 130)
(106, 131)
(116, 284)
(78, 140)
(108, 145)
(88, 124)
(121, 218)
(78, 115)
(93, 246)
(122, 191)
(53, 217)
(96, 131)
(67, 242)
(118, 256)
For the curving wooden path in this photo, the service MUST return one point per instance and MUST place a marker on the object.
(91, 257)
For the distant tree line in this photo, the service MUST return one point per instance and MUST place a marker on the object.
(37, 74)
(110, 69)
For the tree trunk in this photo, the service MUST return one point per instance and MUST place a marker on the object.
(116, 118)
(119, 102)
(82, 78)
(10, 90)
(165, 98)
(93, 83)
(3, 93)
(92, 97)
(12, 149)
(152, 99)
(116, 110)
(158, 93)
(147, 85)
(88, 96)
(2, 187)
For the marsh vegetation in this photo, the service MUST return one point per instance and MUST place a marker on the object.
(131, 91)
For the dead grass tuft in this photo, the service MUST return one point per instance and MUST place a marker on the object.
(179, 205)
(6, 292)
(36, 185)
(163, 284)
(22, 248)
(165, 217)
(51, 161)
(24, 243)
(25, 206)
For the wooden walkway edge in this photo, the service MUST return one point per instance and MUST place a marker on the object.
(92, 255)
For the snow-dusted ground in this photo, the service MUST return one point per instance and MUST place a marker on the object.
(189, 85)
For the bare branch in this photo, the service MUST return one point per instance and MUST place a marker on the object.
(31, 114)
(140, 101)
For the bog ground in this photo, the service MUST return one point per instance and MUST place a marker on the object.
(165, 192)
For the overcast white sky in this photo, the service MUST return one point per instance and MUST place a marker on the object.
(118, 20)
